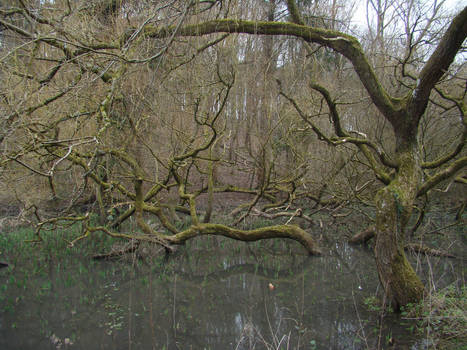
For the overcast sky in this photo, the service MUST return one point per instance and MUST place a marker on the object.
(360, 13)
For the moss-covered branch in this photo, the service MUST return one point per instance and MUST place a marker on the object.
(438, 63)
(279, 231)
(362, 144)
(363, 236)
(342, 43)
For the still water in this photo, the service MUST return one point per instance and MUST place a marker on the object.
(213, 294)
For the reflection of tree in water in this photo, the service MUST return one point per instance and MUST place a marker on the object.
(233, 304)
(210, 298)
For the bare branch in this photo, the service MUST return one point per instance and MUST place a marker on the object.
(438, 63)
(442, 175)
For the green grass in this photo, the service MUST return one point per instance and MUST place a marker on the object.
(20, 245)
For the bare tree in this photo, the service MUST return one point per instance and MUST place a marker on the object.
(109, 100)
(405, 183)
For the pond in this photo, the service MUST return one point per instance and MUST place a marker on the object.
(212, 294)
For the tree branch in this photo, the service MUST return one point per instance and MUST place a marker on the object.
(442, 175)
(342, 43)
(360, 143)
(268, 232)
(438, 63)
(447, 157)
(339, 130)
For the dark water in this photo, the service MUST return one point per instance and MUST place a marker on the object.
(214, 294)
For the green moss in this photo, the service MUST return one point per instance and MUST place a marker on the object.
(277, 231)
(408, 282)
(394, 205)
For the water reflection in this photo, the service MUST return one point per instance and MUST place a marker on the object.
(206, 297)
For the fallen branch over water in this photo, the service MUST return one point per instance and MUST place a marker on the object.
(367, 234)
(363, 236)
(420, 248)
(278, 231)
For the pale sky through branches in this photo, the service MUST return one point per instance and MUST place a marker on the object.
(359, 18)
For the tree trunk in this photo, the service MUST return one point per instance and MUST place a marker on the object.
(393, 209)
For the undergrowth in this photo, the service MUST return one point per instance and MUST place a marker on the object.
(442, 318)
(55, 244)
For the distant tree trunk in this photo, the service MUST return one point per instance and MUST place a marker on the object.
(210, 199)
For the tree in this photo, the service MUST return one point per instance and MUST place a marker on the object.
(131, 89)
(394, 202)
(105, 135)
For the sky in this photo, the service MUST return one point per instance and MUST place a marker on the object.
(360, 13)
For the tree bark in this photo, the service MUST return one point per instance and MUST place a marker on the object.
(393, 209)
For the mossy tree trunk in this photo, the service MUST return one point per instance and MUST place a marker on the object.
(394, 205)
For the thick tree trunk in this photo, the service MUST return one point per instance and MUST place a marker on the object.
(394, 206)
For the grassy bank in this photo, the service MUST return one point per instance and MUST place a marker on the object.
(442, 318)
(22, 243)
